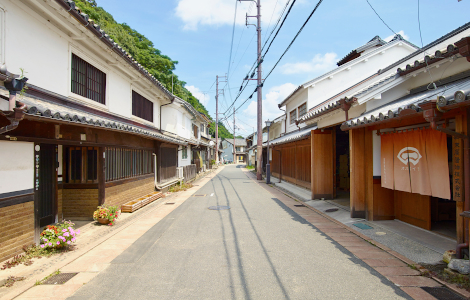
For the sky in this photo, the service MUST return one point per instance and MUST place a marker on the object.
(198, 34)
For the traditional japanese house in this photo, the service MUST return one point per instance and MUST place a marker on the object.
(237, 156)
(86, 131)
(408, 158)
(314, 152)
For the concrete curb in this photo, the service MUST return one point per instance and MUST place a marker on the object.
(397, 255)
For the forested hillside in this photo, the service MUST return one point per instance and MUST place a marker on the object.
(142, 49)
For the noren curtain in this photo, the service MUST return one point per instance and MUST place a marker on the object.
(416, 162)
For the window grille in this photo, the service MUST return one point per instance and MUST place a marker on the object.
(302, 109)
(142, 107)
(293, 116)
(88, 81)
(127, 163)
(81, 165)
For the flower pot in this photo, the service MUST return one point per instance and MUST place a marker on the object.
(103, 221)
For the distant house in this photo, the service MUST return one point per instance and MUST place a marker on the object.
(228, 151)
(180, 119)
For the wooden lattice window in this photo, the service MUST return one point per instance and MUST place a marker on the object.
(302, 109)
(142, 107)
(81, 165)
(293, 116)
(127, 163)
(88, 81)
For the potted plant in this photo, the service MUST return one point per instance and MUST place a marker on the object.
(106, 214)
(59, 235)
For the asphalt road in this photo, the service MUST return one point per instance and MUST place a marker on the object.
(258, 249)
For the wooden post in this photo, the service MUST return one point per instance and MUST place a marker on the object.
(358, 173)
(369, 174)
(101, 175)
(322, 164)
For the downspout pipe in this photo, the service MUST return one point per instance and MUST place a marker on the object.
(14, 114)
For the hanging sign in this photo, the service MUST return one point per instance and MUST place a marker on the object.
(457, 168)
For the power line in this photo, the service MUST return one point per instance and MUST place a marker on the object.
(381, 18)
(287, 49)
(285, 17)
(295, 37)
(233, 33)
(253, 66)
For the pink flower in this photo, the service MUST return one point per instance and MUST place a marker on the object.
(45, 240)
(68, 242)
(73, 240)
(42, 246)
(50, 244)
(78, 231)
(66, 234)
(64, 230)
(58, 243)
(61, 237)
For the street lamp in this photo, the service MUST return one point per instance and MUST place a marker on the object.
(268, 167)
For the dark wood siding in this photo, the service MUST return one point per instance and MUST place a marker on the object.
(88, 81)
(142, 107)
(293, 161)
(168, 163)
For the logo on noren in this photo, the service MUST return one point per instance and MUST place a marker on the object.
(410, 154)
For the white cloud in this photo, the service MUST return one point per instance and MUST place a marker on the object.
(319, 64)
(271, 111)
(401, 32)
(203, 98)
(221, 12)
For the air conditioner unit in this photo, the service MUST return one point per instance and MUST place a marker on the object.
(179, 172)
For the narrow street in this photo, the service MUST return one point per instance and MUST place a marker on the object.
(257, 249)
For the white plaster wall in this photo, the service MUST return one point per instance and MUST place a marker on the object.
(294, 103)
(354, 72)
(120, 95)
(169, 119)
(32, 45)
(184, 162)
(377, 170)
(16, 166)
(338, 116)
(39, 47)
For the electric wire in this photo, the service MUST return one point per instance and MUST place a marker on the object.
(233, 33)
(293, 40)
(425, 60)
(381, 18)
(287, 49)
(253, 66)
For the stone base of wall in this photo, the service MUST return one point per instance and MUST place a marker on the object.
(122, 193)
(79, 204)
(16, 229)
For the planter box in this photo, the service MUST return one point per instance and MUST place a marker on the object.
(134, 205)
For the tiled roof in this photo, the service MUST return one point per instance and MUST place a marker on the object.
(46, 110)
(84, 19)
(238, 142)
(444, 94)
(396, 39)
(374, 42)
(292, 136)
(190, 109)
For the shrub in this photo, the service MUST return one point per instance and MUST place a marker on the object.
(107, 212)
(59, 235)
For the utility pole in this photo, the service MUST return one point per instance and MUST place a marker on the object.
(259, 144)
(234, 149)
(217, 116)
